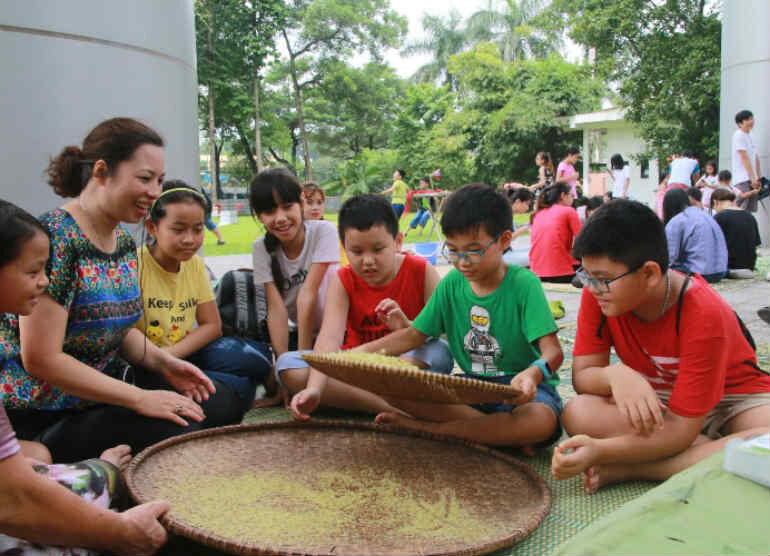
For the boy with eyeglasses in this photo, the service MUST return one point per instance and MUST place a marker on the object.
(687, 375)
(498, 326)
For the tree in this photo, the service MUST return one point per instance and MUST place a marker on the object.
(513, 30)
(445, 37)
(665, 57)
(319, 30)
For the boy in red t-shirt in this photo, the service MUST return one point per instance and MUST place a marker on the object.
(381, 290)
(687, 376)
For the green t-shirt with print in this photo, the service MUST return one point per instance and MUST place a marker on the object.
(399, 193)
(493, 335)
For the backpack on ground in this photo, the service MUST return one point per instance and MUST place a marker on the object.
(242, 306)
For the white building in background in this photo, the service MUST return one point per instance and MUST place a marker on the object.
(67, 65)
(745, 79)
(606, 132)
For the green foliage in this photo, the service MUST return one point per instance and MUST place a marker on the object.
(369, 171)
(665, 57)
(445, 37)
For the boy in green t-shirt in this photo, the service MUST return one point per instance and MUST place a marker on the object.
(399, 189)
(499, 328)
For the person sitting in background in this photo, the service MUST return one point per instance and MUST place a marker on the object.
(521, 203)
(695, 196)
(741, 234)
(695, 240)
(422, 216)
(708, 183)
(554, 227)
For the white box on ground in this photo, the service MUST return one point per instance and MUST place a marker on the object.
(749, 459)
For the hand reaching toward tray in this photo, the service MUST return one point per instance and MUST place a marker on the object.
(525, 383)
(390, 314)
(304, 403)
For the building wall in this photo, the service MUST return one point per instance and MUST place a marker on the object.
(67, 66)
(745, 79)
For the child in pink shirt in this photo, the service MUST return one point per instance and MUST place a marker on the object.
(566, 172)
(554, 227)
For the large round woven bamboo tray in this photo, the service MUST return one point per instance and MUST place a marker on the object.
(398, 492)
(410, 384)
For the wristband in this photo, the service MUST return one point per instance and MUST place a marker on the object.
(544, 367)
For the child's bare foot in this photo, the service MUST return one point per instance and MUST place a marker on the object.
(403, 421)
(597, 476)
(119, 456)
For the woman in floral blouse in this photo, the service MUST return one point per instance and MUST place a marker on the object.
(65, 382)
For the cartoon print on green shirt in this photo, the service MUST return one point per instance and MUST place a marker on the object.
(484, 349)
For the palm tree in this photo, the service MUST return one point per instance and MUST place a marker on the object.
(512, 30)
(445, 37)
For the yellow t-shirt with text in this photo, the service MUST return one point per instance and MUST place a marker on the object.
(171, 299)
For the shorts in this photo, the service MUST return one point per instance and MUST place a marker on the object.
(434, 353)
(546, 394)
(731, 405)
(209, 223)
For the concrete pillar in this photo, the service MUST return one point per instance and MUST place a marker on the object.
(745, 79)
(66, 66)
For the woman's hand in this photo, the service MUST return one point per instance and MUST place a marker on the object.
(142, 533)
(165, 404)
(636, 399)
(186, 378)
(391, 315)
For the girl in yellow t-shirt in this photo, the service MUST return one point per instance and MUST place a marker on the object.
(177, 295)
(399, 189)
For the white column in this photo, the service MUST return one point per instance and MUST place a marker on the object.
(66, 66)
(586, 152)
(745, 79)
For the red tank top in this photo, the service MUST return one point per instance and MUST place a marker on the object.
(407, 289)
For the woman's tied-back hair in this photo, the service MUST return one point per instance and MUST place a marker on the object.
(626, 232)
(113, 141)
(175, 191)
(617, 162)
(675, 201)
(266, 186)
(547, 161)
(551, 195)
(475, 205)
(18, 228)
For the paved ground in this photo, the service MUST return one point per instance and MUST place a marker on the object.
(744, 296)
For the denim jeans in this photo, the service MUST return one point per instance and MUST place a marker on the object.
(240, 363)
(420, 219)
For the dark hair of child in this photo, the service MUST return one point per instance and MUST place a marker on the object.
(617, 162)
(743, 115)
(722, 195)
(724, 175)
(113, 141)
(521, 194)
(688, 154)
(190, 196)
(551, 194)
(475, 205)
(674, 202)
(580, 202)
(18, 228)
(311, 188)
(714, 167)
(266, 186)
(364, 211)
(593, 203)
(695, 193)
(401, 172)
(627, 232)
(573, 150)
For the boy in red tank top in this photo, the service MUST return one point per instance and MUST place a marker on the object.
(381, 290)
(687, 379)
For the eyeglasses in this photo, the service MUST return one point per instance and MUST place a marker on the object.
(601, 285)
(473, 257)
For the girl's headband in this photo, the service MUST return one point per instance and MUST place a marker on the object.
(174, 190)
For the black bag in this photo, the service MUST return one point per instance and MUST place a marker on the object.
(764, 189)
(242, 306)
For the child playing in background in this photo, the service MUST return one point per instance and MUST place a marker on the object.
(381, 290)
(708, 183)
(313, 207)
(499, 328)
(54, 504)
(422, 216)
(619, 177)
(566, 172)
(554, 227)
(399, 190)
(724, 178)
(291, 260)
(686, 375)
(177, 296)
(521, 203)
